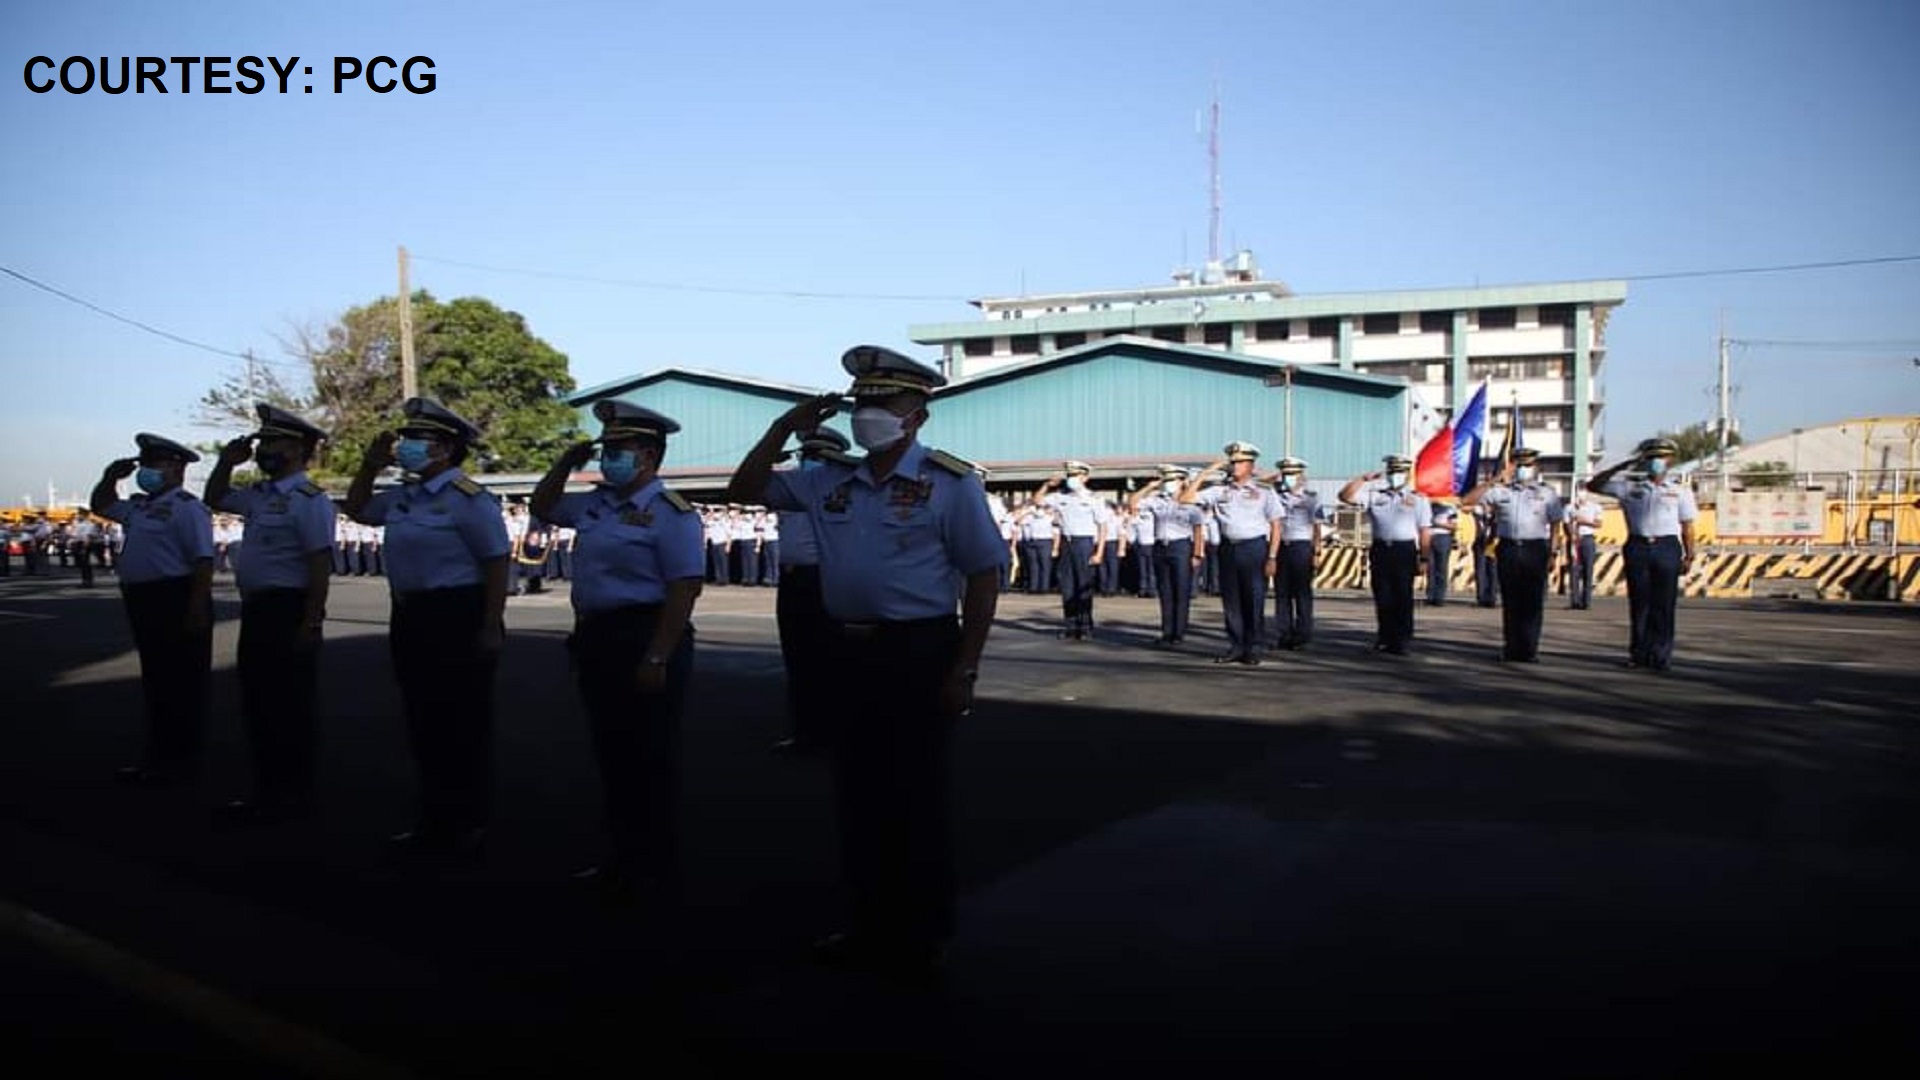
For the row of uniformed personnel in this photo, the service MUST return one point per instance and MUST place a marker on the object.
(895, 537)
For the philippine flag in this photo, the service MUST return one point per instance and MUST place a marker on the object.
(1445, 465)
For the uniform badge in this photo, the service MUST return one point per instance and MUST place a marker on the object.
(277, 505)
(836, 502)
(439, 508)
(642, 518)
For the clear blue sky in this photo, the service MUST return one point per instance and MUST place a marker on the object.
(956, 151)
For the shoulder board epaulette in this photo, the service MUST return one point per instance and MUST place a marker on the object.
(310, 489)
(466, 486)
(183, 493)
(954, 465)
(677, 501)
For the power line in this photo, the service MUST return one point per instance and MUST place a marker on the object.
(680, 286)
(1781, 269)
(97, 309)
(1894, 344)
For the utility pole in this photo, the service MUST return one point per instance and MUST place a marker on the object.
(408, 388)
(1288, 449)
(1724, 426)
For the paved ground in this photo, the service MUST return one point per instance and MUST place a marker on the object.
(1335, 859)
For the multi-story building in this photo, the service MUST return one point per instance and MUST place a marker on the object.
(1543, 345)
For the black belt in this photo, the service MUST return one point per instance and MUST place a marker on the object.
(1652, 539)
(1524, 543)
(875, 629)
(1395, 543)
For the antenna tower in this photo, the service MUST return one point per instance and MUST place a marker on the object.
(1213, 174)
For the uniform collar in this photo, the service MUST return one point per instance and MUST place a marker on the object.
(440, 480)
(908, 465)
(639, 498)
(286, 483)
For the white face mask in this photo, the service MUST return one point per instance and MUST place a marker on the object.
(1170, 486)
(1396, 480)
(1076, 484)
(875, 428)
(1523, 473)
(1287, 483)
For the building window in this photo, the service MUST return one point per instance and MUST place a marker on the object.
(1069, 341)
(1170, 333)
(1381, 324)
(1436, 322)
(1498, 318)
(1556, 314)
(1219, 333)
(1271, 330)
(1325, 326)
(979, 346)
(1023, 344)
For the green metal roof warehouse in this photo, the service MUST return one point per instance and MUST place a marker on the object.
(1122, 404)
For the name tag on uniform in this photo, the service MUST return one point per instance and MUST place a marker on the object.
(277, 505)
(637, 517)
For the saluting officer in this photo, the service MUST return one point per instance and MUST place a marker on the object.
(799, 611)
(166, 580)
(896, 533)
(1085, 524)
(1178, 532)
(1660, 511)
(1527, 513)
(283, 569)
(639, 563)
(1249, 514)
(446, 562)
(1400, 518)
(1302, 528)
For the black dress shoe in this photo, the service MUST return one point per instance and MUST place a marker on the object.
(1226, 658)
(1251, 659)
(260, 811)
(149, 776)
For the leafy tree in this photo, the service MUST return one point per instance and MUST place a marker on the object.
(479, 360)
(1755, 475)
(1699, 441)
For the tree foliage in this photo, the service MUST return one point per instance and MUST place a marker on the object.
(1755, 475)
(1699, 441)
(477, 359)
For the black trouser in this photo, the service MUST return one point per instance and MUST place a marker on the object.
(717, 564)
(446, 686)
(1076, 582)
(175, 668)
(1486, 579)
(892, 766)
(636, 736)
(1173, 574)
(802, 619)
(87, 553)
(278, 676)
(1580, 574)
(1108, 572)
(1439, 565)
(1523, 584)
(1243, 593)
(1210, 570)
(1143, 563)
(1039, 565)
(1293, 593)
(1653, 595)
(1394, 565)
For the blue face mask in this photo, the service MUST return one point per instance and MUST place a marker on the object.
(413, 454)
(619, 468)
(1656, 466)
(150, 479)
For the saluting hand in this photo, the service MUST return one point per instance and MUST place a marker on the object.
(577, 455)
(237, 451)
(380, 449)
(810, 414)
(121, 468)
